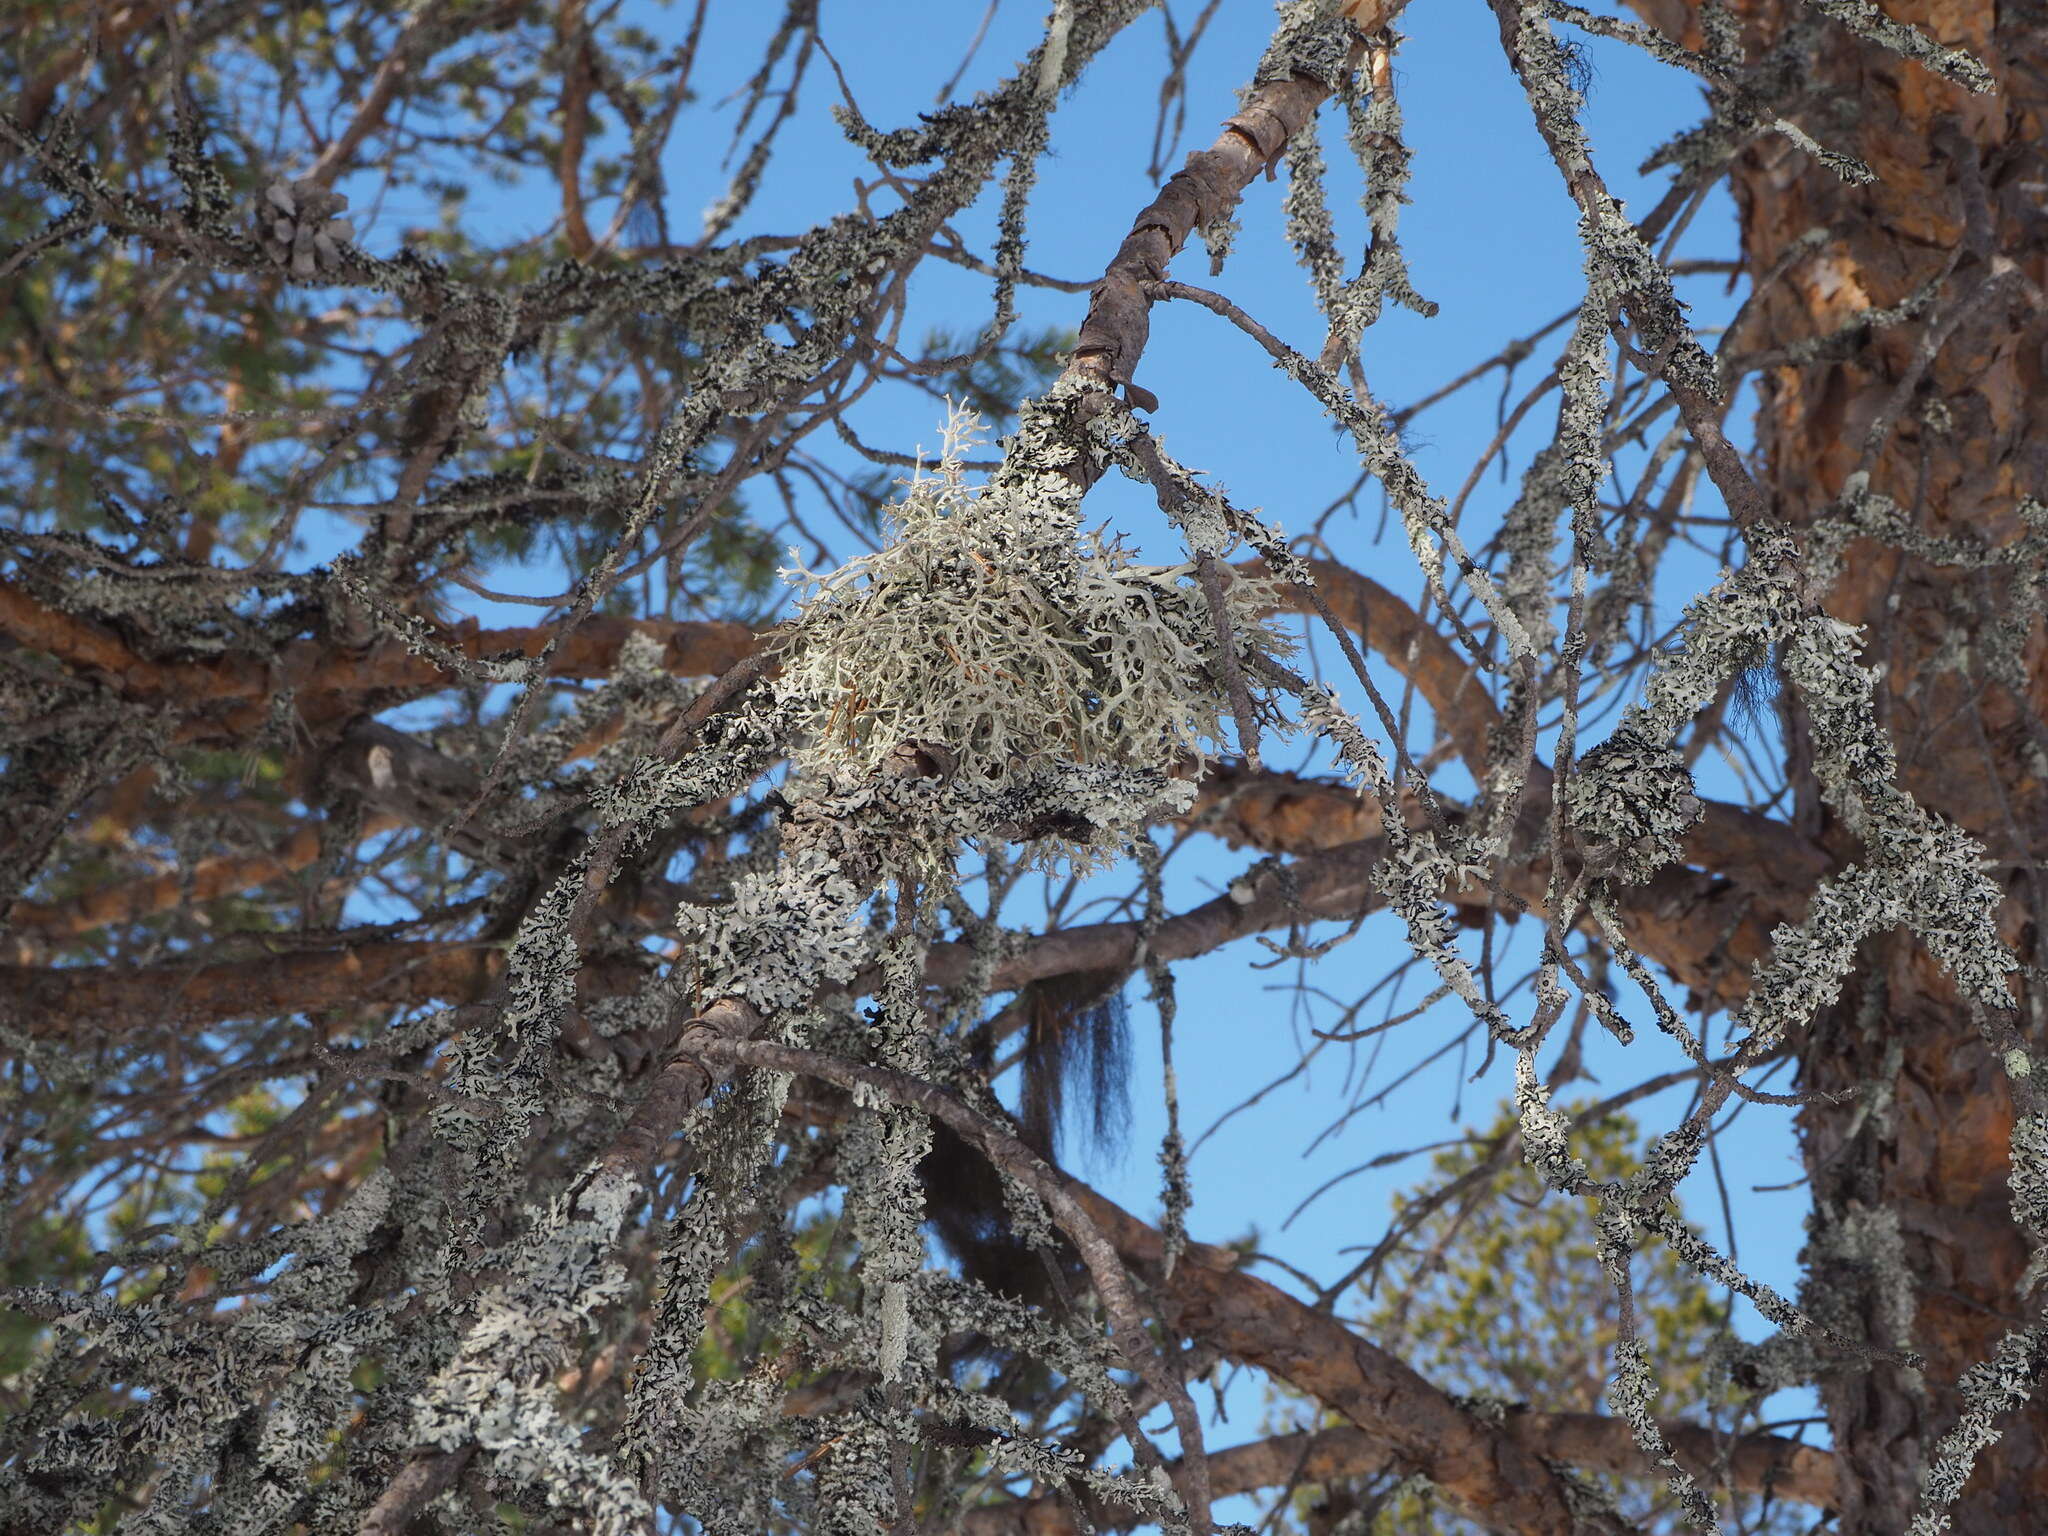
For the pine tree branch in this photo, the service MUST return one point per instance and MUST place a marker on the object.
(314, 668)
(112, 1000)
(1490, 1475)
(1758, 1464)
(1203, 192)
(207, 880)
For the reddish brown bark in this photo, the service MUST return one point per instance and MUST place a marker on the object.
(1940, 1158)
(1958, 191)
(1706, 926)
(1490, 1475)
(315, 668)
(1757, 1463)
(1119, 320)
(207, 880)
(75, 1001)
(1386, 624)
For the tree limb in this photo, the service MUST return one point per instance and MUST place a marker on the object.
(1758, 1464)
(122, 1000)
(313, 667)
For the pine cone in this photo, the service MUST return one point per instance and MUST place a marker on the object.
(299, 228)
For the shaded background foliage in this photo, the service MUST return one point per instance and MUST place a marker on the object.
(1498, 1295)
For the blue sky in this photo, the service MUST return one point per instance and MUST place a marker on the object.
(1491, 238)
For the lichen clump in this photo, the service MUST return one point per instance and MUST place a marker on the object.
(1632, 801)
(992, 625)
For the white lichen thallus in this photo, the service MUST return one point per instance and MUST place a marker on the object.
(993, 625)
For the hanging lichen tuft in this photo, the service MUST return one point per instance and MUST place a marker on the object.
(996, 629)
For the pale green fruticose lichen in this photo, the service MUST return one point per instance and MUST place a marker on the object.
(993, 627)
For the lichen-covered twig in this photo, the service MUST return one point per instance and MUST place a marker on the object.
(1297, 78)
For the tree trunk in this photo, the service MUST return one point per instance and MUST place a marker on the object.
(1962, 180)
